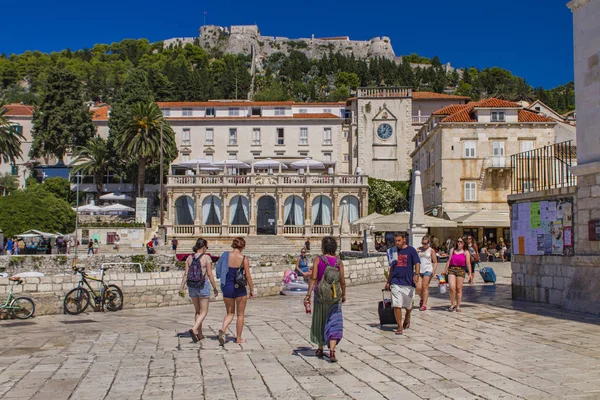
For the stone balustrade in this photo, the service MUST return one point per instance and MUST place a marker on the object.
(266, 180)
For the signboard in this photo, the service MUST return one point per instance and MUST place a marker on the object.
(141, 209)
(542, 227)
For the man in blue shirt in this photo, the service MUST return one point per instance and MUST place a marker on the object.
(9, 246)
(405, 266)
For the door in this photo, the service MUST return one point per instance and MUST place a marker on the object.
(266, 221)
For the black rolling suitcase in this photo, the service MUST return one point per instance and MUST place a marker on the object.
(386, 312)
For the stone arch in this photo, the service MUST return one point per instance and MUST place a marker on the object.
(184, 210)
(239, 210)
(322, 210)
(293, 210)
(212, 210)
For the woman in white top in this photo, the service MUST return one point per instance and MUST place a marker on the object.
(429, 265)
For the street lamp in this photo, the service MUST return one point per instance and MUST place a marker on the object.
(78, 179)
(162, 193)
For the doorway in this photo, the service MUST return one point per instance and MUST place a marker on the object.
(266, 222)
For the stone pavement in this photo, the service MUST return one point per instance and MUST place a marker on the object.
(494, 349)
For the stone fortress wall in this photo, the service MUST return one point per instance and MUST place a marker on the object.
(246, 39)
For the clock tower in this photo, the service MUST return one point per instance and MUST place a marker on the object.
(382, 132)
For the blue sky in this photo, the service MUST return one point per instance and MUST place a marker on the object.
(531, 38)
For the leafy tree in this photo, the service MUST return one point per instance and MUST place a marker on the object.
(59, 187)
(35, 208)
(141, 139)
(274, 92)
(387, 197)
(135, 89)
(62, 121)
(347, 79)
(96, 159)
(8, 184)
(10, 139)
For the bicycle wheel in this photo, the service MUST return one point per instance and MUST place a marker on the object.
(76, 301)
(113, 298)
(22, 308)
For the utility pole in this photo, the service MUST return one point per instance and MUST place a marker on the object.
(76, 220)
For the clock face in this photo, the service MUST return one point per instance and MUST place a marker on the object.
(384, 131)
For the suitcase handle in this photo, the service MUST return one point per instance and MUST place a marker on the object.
(383, 293)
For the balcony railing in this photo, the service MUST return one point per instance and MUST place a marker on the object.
(384, 92)
(420, 119)
(545, 168)
(322, 230)
(239, 229)
(499, 162)
(293, 230)
(267, 180)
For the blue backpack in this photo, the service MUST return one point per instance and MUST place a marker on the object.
(195, 277)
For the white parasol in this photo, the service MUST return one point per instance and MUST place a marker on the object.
(117, 207)
(269, 164)
(115, 196)
(308, 163)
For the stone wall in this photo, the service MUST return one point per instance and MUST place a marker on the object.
(588, 198)
(572, 283)
(159, 289)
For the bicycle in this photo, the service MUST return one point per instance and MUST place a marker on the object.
(77, 299)
(20, 307)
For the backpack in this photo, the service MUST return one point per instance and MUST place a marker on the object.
(329, 290)
(195, 277)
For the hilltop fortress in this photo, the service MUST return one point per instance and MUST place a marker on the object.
(246, 39)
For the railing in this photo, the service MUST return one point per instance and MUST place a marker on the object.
(384, 92)
(211, 230)
(184, 229)
(266, 180)
(239, 229)
(545, 168)
(322, 230)
(293, 230)
(420, 119)
(499, 162)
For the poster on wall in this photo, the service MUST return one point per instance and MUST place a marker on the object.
(542, 227)
(141, 210)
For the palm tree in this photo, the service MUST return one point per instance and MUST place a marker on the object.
(96, 159)
(10, 139)
(140, 138)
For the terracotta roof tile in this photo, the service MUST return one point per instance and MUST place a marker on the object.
(18, 110)
(451, 109)
(464, 112)
(437, 96)
(100, 113)
(493, 102)
(529, 116)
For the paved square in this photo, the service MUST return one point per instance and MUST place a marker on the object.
(494, 349)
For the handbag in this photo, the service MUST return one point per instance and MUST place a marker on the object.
(475, 258)
(240, 275)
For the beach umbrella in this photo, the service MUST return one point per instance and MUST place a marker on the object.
(117, 207)
(88, 208)
(269, 163)
(308, 163)
(115, 196)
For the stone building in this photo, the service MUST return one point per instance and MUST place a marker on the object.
(572, 280)
(19, 116)
(463, 152)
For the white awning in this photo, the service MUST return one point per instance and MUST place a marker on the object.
(401, 222)
(485, 219)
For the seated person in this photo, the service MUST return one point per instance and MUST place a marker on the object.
(302, 269)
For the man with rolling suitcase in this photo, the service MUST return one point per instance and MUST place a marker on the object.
(405, 266)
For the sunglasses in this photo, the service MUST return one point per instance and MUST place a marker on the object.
(459, 241)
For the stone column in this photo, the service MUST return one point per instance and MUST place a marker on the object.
(252, 211)
(171, 208)
(225, 206)
(416, 229)
(197, 209)
(307, 214)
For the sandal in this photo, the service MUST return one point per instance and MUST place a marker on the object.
(406, 325)
(319, 353)
(193, 336)
(458, 310)
(421, 303)
(241, 341)
(423, 308)
(221, 337)
(332, 356)
(451, 308)
(200, 336)
(398, 333)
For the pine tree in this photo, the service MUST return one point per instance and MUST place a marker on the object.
(62, 121)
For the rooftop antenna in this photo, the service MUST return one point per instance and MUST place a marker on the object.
(205, 18)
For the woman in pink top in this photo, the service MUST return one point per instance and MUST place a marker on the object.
(458, 265)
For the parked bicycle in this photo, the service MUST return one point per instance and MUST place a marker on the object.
(20, 307)
(78, 299)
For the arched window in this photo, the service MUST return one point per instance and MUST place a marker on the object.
(184, 211)
(293, 212)
(211, 210)
(321, 211)
(238, 211)
(352, 208)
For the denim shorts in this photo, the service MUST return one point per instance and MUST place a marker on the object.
(426, 274)
(203, 293)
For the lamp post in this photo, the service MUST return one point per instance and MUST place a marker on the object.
(162, 194)
(77, 177)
